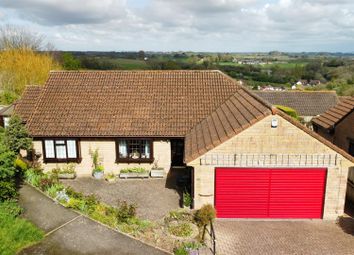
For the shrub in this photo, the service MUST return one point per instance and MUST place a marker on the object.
(98, 169)
(183, 229)
(204, 215)
(33, 176)
(20, 164)
(105, 214)
(16, 135)
(138, 170)
(134, 226)
(186, 247)
(187, 199)
(125, 211)
(73, 194)
(54, 189)
(8, 190)
(289, 111)
(46, 182)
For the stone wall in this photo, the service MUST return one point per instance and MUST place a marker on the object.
(107, 151)
(260, 138)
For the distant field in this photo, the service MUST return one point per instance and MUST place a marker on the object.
(130, 64)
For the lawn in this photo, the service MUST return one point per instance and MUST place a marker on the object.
(15, 232)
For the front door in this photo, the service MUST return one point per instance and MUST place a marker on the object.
(177, 152)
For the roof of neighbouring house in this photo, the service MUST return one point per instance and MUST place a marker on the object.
(306, 103)
(26, 105)
(127, 103)
(335, 114)
(7, 110)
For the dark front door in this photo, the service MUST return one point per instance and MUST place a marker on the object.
(177, 152)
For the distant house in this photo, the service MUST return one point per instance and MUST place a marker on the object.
(307, 104)
(337, 125)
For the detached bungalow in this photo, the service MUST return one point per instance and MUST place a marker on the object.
(246, 158)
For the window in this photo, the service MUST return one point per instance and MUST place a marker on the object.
(134, 150)
(60, 150)
(351, 148)
(6, 121)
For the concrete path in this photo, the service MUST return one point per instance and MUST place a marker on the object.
(70, 233)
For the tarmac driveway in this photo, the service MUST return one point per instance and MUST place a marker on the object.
(285, 237)
(70, 233)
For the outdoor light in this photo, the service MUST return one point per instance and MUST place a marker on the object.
(274, 122)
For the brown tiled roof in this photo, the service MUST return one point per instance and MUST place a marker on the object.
(7, 110)
(128, 103)
(26, 105)
(236, 114)
(307, 103)
(334, 115)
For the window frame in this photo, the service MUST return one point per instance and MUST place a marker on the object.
(61, 160)
(130, 160)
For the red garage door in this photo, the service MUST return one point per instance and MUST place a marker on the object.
(269, 193)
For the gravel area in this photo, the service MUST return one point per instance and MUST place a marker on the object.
(153, 197)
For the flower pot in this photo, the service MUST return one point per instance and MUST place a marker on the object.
(111, 180)
(134, 175)
(66, 176)
(98, 175)
(157, 173)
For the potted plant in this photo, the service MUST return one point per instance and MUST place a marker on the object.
(98, 172)
(111, 177)
(156, 171)
(98, 169)
(187, 200)
(67, 172)
(134, 172)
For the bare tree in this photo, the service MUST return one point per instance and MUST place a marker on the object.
(14, 37)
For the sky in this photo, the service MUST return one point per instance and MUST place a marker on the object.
(187, 25)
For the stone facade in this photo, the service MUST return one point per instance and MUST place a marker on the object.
(107, 151)
(260, 138)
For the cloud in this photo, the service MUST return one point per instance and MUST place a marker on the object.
(60, 12)
(200, 25)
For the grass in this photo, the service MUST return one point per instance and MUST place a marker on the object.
(16, 233)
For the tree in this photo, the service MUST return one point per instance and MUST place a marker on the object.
(16, 135)
(21, 67)
(14, 37)
(70, 62)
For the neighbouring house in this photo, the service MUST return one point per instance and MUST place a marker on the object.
(337, 126)
(5, 115)
(247, 158)
(307, 104)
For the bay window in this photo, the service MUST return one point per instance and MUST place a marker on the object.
(134, 150)
(60, 150)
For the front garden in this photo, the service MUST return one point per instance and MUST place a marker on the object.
(179, 230)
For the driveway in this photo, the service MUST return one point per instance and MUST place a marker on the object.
(70, 233)
(154, 197)
(285, 237)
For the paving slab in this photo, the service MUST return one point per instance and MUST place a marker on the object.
(285, 237)
(84, 236)
(42, 211)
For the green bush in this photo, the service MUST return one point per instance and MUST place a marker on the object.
(289, 111)
(183, 229)
(125, 211)
(134, 226)
(16, 135)
(46, 182)
(204, 215)
(105, 214)
(33, 176)
(138, 170)
(20, 164)
(8, 190)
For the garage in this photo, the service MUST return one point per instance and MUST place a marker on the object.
(273, 193)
